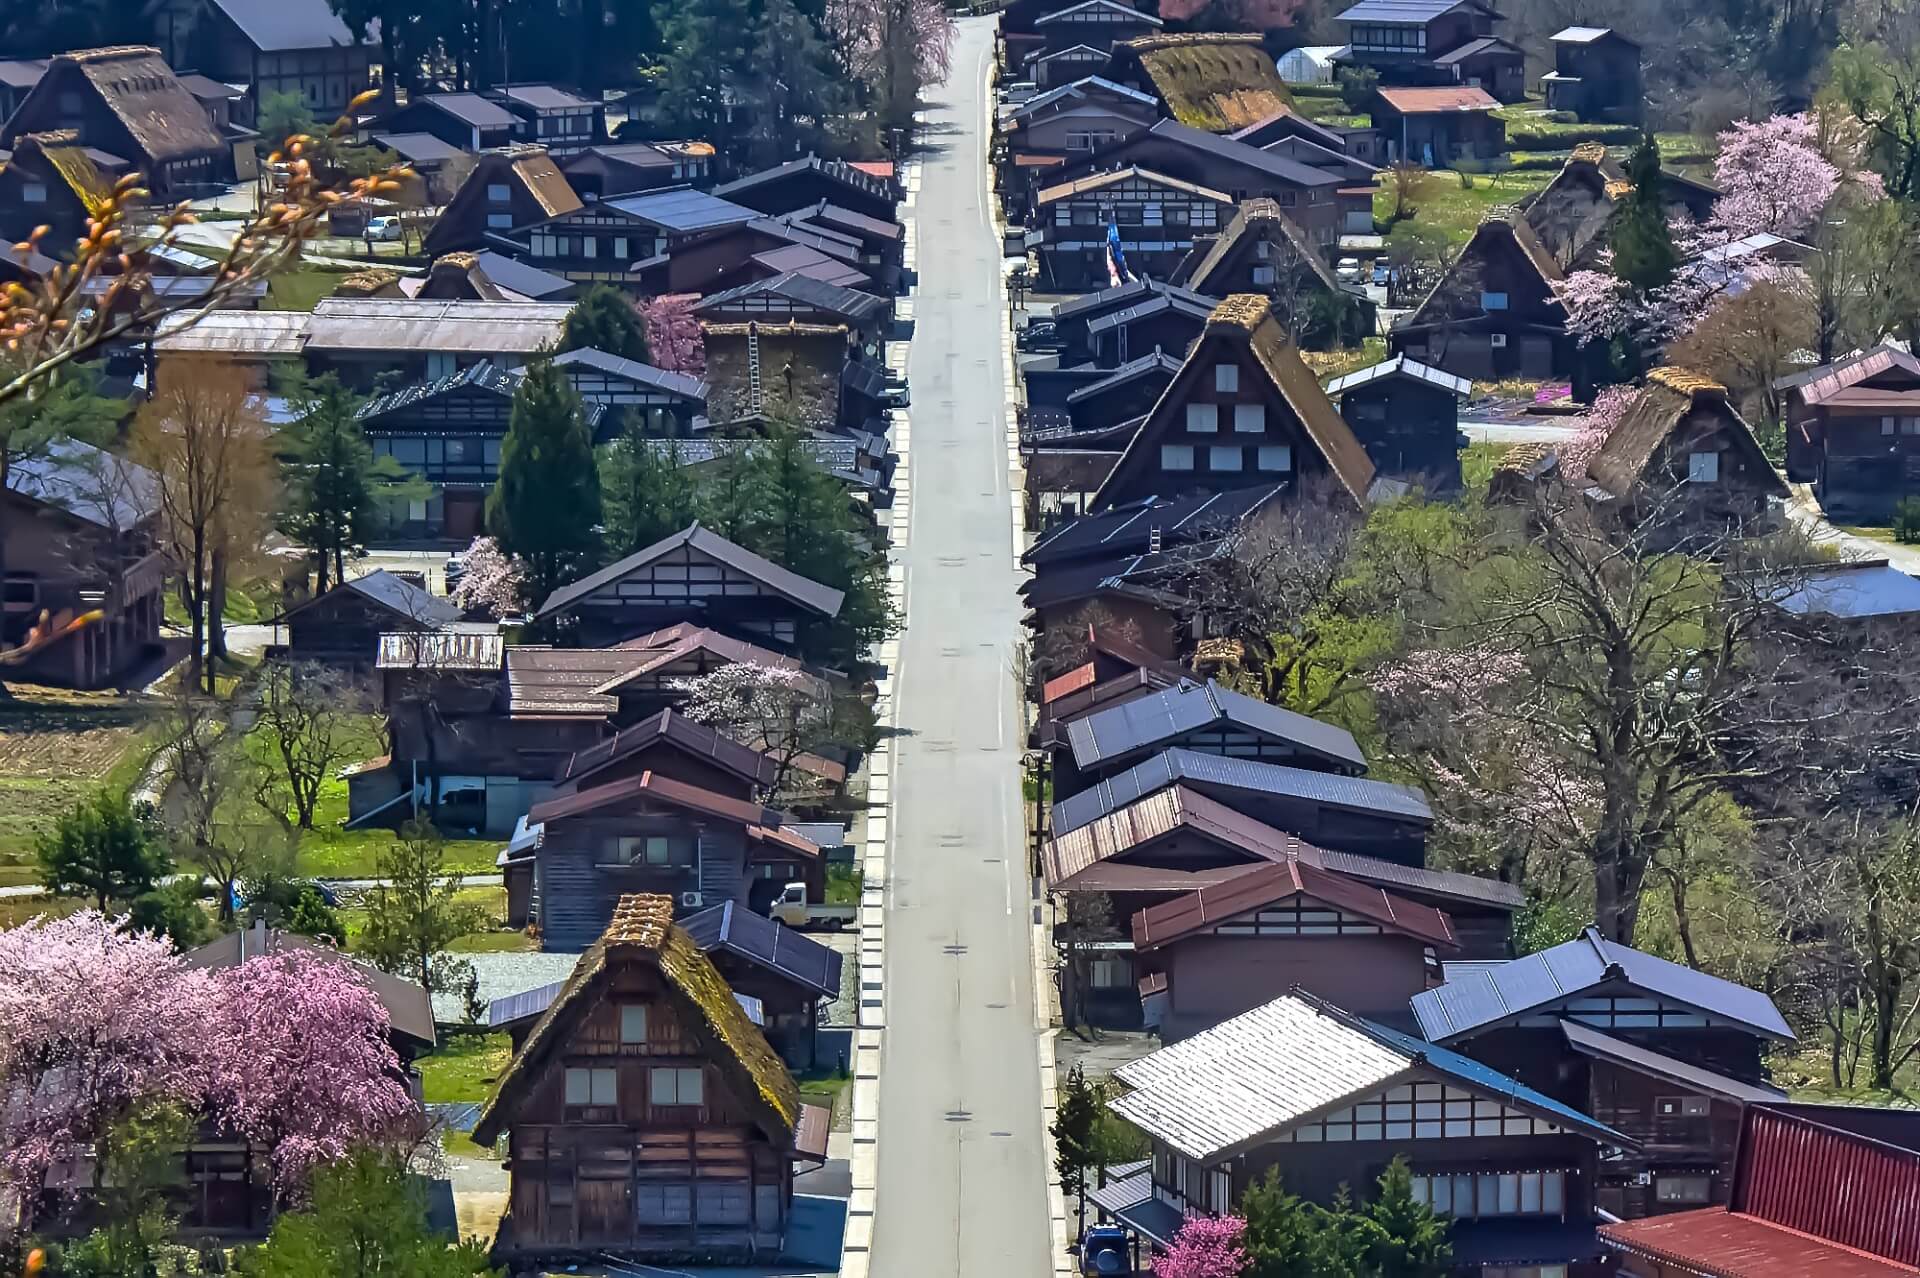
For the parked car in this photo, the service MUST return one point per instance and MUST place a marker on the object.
(792, 908)
(384, 228)
(1018, 92)
(1381, 274)
(1347, 271)
(1038, 335)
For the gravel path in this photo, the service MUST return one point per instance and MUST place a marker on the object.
(504, 974)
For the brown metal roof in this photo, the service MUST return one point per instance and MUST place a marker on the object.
(1426, 101)
(1207, 908)
(1716, 1243)
(663, 789)
(1072, 681)
(1069, 855)
(1839, 377)
(1099, 181)
(561, 681)
(697, 739)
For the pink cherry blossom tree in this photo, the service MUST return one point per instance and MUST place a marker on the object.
(297, 1058)
(1205, 1247)
(675, 340)
(94, 1018)
(894, 48)
(492, 581)
(780, 710)
(1772, 176)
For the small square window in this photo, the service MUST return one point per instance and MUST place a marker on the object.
(1682, 1189)
(498, 193)
(633, 1023)
(1176, 457)
(499, 221)
(34, 192)
(1226, 377)
(674, 1086)
(1277, 457)
(1249, 419)
(592, 1087)
(1264, 276)
(1225, 458)
(1887, 425)
(1203, 419)
(1703, 468)
(1493, 301)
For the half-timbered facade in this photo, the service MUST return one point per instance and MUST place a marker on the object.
(1407, 417)
(1244, 409)
(1079, 118)
(693, 575)
(1853, 432)
(665, 404)
(603, 240)
(646, 1116)
(1155, 216)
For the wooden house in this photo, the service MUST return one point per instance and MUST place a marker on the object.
(1218, 81)
(1187, 154)
(647, 1118)
(1327, 1099)
(1262, 250)
(610, 241)
(464, 120)
(1056, 68)
(797, 298)
(1407, 417)
(1596, 75)
(1572, 214)
(1095, 24)
(553, 117)
(1681, 456)
(881, 243)
(606, 169)
(50, 180)
(1434, 42)
(271, 47)
(126, 104)
(1150, 218)
(1232, 946)
(85, 577)
(1853, 432)
(1075, 119)
(363, 339)
(792, 975)
(508, 188)
(17, 78)
(1439, 128)
(1494, 314)
(343, 625)
(1664, 1052)
(694, 575)
(1817, 1189)
(1123, 309)
(809, 180)
(1243, 409)
(661, 402)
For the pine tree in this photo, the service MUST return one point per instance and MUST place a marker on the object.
(545, 506)
(335, 486)
(648, 493)
(793, 81)
(704, 64)
(604, 320)
(1408, 1241)
(102, 849)
(1076, 1120)
(1643, 252)
(1282, 1239)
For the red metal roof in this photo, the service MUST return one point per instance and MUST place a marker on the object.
(1068, 856)
(875, 168)
(1424, 101)
(1847, 373)
(1207, 908)
(1830, 1183)
(1072, 681)
(1716, 1243)
(652, 785)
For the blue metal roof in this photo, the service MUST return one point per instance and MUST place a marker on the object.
(762, 941)
(681, 208)
(1472, 1000)
(1164, 769)
(1190, 707)
(1489, 1081)
(1873, 588)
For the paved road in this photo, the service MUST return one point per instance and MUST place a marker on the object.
(962, 1184)
(1544, 431)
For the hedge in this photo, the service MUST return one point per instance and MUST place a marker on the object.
(1568, 136)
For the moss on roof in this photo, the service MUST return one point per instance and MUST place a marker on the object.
(1217, 81)
(643, 931)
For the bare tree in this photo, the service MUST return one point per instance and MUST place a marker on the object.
(203, 438)
(313, 719)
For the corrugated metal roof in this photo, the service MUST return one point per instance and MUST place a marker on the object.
(1401, 366)
(528, 281)
(1818, 385)
(471, 108)
(810, 594)
(771, 945)
(1716, 1243)
(89, 483)
(1430, 101)
(1255, 1075)
(700, 740)
(1132, 528)
(1124, 13)
(1644, 1060)
(400, 596)
(1462, 887)
(1155, 362)
(1399, 10)
(1189, 707)
(1354, 793)
(805, 291)
(1870, 588)
(633, 370)
(1579, 35)
(261, 333)
(277, 26)
(419, 148)
(410, 324)
(1068, 856)
(525, 1005)
(1206, 908)
(1488, 996)
(1079, 89)
(656, 787)
(545, 97)
(683, 209)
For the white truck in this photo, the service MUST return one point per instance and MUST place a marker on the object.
(792, 909)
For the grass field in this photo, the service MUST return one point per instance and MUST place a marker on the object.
(1456, 209)
(465, 1068)
(301, 288)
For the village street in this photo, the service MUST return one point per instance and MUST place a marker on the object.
(962, 1179)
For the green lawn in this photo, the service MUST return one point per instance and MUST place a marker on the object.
(465, 1068)
(301, 288)
(1872, 532)
(1457, 209)
(56, 747)
(831, 1089)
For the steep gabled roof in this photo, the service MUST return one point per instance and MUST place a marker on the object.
(1401, 366)
(396, 595)
(1261, 217)
(1228, 1088)
(1069, 855)
(1491, 995)
(1500, 231)
(1246, 320)
(1206, 908)
(1669, 396)
(1192, 707)
(808, 594)
(655, 787)
(675, 643)
(276, 26)
(643, 932)
(1211, 80)
(135, 83)
(700, 740)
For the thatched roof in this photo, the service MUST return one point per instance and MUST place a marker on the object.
(138, 86)
(1669, 399)
(643, 932)
(1261, 217)
(1502, 226)
(1217, 81)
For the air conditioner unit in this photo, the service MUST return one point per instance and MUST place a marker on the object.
(690, 900)
(1498, 340)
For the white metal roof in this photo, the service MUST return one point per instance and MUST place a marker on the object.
(1251, 1074)
(1400, 364)
(410, 324)
(271, 333)
(1579, 35)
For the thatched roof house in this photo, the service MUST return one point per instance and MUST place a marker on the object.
(1217, 81)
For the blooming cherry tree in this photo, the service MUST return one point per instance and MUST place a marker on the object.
(777, 709)
(1205, 1247)
(93, 1019)
(1772, 176)
(675, 340)
(492, 580)
(297, 1058)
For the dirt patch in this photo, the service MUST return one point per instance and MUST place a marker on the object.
(55, 747)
